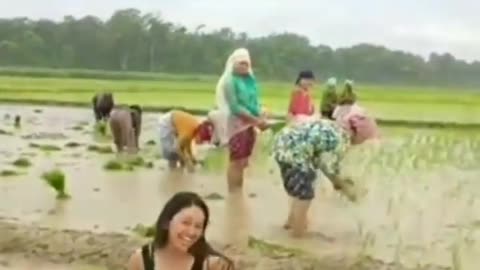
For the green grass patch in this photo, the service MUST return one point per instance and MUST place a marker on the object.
(385, 102)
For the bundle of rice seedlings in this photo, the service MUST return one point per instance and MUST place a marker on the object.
(22, 162)
(113, 165)
(8, 173)
(103, 149)
(56, 179)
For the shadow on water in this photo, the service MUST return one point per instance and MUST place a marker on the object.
(422, 198)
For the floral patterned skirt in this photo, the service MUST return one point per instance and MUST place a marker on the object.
(298, 182)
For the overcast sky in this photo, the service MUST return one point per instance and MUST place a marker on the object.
(418, 26)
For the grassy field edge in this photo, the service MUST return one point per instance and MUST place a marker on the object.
(203, 111)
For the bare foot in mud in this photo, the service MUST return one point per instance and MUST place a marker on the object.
(288, 225)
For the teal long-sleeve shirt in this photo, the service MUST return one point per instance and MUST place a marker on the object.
(242, 95)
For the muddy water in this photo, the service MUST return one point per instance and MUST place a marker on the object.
(412, 214)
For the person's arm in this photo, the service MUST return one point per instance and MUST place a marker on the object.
(135, 262)
(329, 164)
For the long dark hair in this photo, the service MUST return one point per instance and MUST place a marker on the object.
(201, 249)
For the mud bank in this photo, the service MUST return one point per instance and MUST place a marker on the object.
(111, 250)
(199, 111)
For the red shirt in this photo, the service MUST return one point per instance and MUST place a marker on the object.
(301, 103)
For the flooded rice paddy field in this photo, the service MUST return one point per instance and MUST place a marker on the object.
(422, 205)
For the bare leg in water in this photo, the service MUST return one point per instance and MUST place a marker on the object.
(299, 213)
(290, 219)
(235, 175)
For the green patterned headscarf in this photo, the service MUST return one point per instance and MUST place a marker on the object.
(329, 97)
(347, 96)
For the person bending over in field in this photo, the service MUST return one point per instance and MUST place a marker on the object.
(126, 125)
(353, 118)
(178, 130)
(299, 151)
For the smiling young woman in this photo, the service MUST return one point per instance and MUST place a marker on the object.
(179, 241)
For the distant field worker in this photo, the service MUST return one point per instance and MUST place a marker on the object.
(178, 130)
(126, 126)
(300, 150)
(102, 104)
(301, 102)
(329, 99)
(353, 118)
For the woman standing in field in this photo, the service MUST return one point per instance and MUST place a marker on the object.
(301, 104)
(179, 242)
(329, 99)
(353, 118)
(178, 129)
(299, 151)
(237, 98)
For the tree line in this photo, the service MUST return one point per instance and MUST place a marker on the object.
(133, 41)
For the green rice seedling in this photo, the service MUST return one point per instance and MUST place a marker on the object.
(72, 144)
(8, 173)
(56, 179)
(50, 148)
(113, 165)
(17, 121)
(136, 161)
(101, 127)
(150, 142)
(4, 132)
(273, 249)
(22, 162)
(45, 147)
(105, 149)
(144, 231)
(149, 165)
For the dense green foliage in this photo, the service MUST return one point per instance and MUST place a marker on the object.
(132, 41)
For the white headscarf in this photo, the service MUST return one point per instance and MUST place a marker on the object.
(221, 102)
(238, 55)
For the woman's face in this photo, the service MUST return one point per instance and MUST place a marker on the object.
(241, 67)
(186, 227)
(307, 83)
